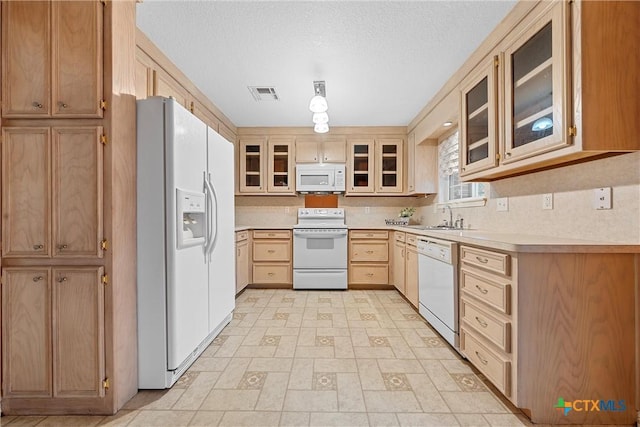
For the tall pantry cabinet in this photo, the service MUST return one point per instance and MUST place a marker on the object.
(67, 125)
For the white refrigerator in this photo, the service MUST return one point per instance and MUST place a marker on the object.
(186, 278)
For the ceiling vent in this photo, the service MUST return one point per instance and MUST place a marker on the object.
(264, 93)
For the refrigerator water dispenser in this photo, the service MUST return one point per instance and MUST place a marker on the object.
(191, 218)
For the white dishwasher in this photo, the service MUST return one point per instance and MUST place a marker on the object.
(438, 286)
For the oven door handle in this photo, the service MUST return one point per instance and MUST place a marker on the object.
(308, 235)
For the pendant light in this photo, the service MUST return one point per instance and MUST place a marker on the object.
(318, 106)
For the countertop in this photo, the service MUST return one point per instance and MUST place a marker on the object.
(509, 242)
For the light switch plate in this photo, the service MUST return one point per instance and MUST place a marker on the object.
(502, 204)
(602, 198)
(547, 201)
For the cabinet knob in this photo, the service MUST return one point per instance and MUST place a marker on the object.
(36, 104)
(62, 104)
(38, 247)
(62, 279)
(37, 278)
(61, 247)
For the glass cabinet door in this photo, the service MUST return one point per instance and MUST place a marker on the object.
(535, 84)
(360, 173)
(389, 165)
(478, 124)
(251, 165)
(280, 170)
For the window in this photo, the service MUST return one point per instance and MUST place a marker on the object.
(452, 190)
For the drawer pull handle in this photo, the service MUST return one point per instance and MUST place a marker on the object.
(481, 322)
(37, 278)
(38, 247)
(369, 274)
(482, 260)
(62, 104)
(369, 251)
(369, 235)
(481, 289)
(483, 361)
(271, 251)
(271, 234)
(270, 274)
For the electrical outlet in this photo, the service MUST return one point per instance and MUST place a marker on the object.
(602, 198)
(502, 204)
(547, 201)
(367, 210)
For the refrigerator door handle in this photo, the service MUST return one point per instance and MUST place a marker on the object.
(209, 203)
(214, 221)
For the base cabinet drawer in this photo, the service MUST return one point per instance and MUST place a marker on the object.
(490, 327)
(492, 261)
(494, 366)
(375, 274)
(490, 290)
(271, 250)
(369, 251)
(271, 273)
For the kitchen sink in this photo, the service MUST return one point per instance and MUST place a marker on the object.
(433, 227)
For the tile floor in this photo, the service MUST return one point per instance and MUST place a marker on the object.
(317, 358)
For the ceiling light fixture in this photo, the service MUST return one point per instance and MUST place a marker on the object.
(318, 106)
(447, 124)
(541, 124)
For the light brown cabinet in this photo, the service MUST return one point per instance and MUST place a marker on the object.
(52, 192)
(368, 257)
(252, 162)
(536, 101)
(53, 332)
(421, 169)
(242, 260)
(52, 59)
(165, 85)
(375, 166)
(404, 267)
(321, 150)
(398, 261)
(272, 257)
(280, 176)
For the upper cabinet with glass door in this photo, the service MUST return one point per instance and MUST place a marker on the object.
(251, 168)
(478, 124)
(536, 87)
(280, 165)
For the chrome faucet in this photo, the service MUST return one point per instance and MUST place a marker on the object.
(450, 223)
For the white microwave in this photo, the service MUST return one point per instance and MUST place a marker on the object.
(320, 177)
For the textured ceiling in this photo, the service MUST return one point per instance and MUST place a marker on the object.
(382, 60)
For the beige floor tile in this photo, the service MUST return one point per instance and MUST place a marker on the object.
(474, 402)
(154, 399)
(233, 374)
(370, 375)
(382, 419)
(406, 324)
(334, 332)
(301, 377)
(412, 338)
(364, 324)
(427, 393)
(373, 352)
(120, 419)
(400, 348)
(193, 396)
(250, 419)
(359, 337)
(308, 401)
(315, 352)
(350, 397)
(235, 331)
(383, 332)
(343, 348)
(428, 420)
(317, 323)
(210, 364)
(335, 365)
(270, 364)
(210, 351)
(162, 418)
(472, 420)
(338, 419)
(230, 400)
(230, 346)
(206, 418)
(286, 347)
(437, 353)
(439, 375)
(307, 337)
(400, 365)
(294, 320)
(271, 323)
(273, 392)
(456, 366)
(391, 401)
(283, 331)
(503, 420)
(254, 336)
(295, 419)
(255, 351)
(71, 421)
